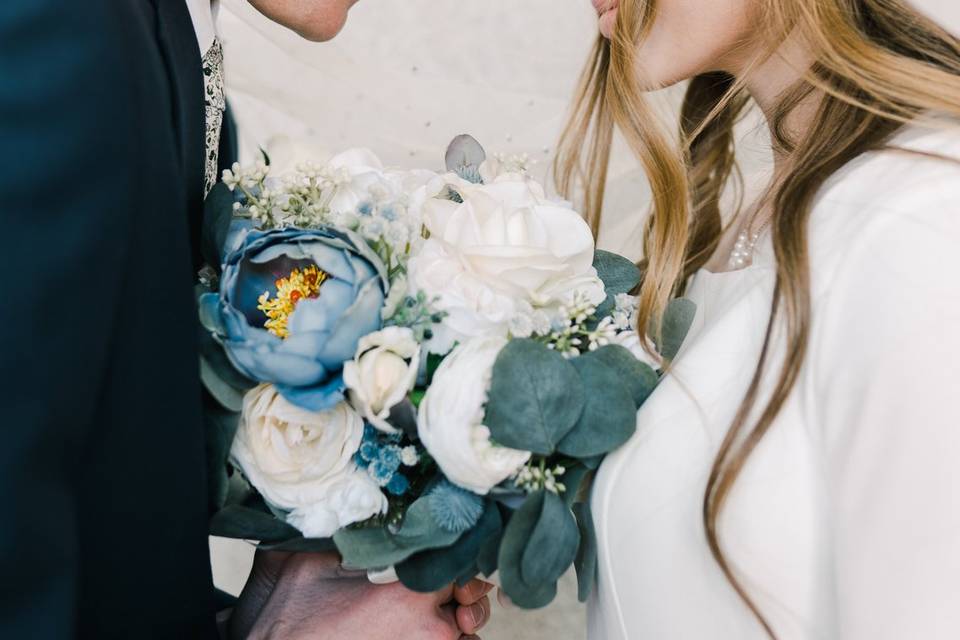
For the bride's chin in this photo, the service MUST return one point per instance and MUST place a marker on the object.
(607, 22)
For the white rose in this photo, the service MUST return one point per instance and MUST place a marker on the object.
(354, 498)
(302, 462)
(505, 243)
(451, 419)
(382, 373)
(630, 340)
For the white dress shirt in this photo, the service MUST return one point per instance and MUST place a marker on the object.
(201, 13)
(845, 523)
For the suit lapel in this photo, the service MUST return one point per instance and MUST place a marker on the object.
(178, 43)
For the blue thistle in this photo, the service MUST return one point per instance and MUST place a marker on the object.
(455, 509)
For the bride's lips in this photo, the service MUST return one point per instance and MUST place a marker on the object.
(607, 11)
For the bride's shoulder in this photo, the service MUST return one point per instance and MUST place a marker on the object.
(889, 204)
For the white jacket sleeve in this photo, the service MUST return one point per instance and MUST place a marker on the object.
(886, 392)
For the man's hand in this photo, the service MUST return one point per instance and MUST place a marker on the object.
(310, 595)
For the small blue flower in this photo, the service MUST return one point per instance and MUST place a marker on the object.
(380, 473)
(398, 484)
(369, 451)
(365, 208)
(455, 509)
(390, 457)
(389, 213)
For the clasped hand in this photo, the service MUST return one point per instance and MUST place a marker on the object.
(290, 596)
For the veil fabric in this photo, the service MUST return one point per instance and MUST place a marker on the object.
(406, 76)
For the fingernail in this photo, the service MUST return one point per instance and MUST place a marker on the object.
(477, 615)
(383, 576)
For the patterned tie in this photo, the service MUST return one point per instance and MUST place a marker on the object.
(216, 105)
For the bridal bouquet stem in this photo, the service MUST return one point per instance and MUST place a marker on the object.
(417, 369)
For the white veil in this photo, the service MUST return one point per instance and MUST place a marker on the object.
(406, 76)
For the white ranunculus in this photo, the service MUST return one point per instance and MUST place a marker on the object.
(302, 461)
(382, 373)
(451, 419)
(630, 340)
(505, 243)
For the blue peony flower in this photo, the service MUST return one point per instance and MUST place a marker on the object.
(293, 304)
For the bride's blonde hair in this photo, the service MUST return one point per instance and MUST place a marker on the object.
(878, 64)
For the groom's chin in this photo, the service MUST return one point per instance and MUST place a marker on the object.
(315, 20)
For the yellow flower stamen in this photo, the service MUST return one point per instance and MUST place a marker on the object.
(290, 290)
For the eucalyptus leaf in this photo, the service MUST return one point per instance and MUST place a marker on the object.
(639, 377)
(377, 547)
(468, 575)
(609, 415)
(574, 480)
(220, 427)
(676, 323)
(228, 397)
(431, 570)
(618, 274)
(217, 214)
(556, 530)
(516, 537)
(301, 545)
(464, 157)
(212, 351)
(586, 560)
(235, 521)
(490, 549)
(535, 397)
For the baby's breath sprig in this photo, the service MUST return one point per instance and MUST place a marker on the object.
(573, 335)
(418, 313)
(535, 476)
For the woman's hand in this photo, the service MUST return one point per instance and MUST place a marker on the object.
(305, 595)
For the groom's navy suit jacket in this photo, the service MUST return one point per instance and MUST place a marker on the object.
(103, 505)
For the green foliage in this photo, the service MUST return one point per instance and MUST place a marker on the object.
(573, 480)
(618, 274)
(637, 376)
(528, 574)
(248, 523)
(586, 560)
(609, 414)
(535, 397)
(677, 320)
(378, 547)
(433, 569)
(301, 545)
(220, 426)
(217, 214)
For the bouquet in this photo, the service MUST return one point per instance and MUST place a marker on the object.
(417, 369)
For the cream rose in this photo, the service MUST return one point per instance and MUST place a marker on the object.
(505, 243)
(451, 419)
(382, 373)
(302, 462)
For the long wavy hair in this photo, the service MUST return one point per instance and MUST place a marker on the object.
(878, 64)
